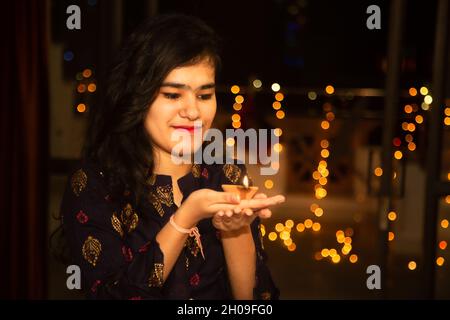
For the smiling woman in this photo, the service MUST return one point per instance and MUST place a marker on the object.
(141, 226)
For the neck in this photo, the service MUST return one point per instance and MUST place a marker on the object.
(165, 166)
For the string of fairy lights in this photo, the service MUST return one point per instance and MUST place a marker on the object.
(415, 117)
(283, 231)
(344, 238)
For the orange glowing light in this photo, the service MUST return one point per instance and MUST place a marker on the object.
(329, 89)
(81, 107)
(325, 124)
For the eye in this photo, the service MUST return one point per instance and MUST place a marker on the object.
(205, 96)
(171, 96)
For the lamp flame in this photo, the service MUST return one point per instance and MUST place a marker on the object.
(245, 182)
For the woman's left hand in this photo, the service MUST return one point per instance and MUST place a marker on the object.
(245, 212)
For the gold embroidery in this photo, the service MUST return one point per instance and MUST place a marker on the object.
(187, 263)
(265, 295)
(91, 250)
(232, 172)
(151, 180)
(192, 245)
(196, 171)
(78, 182)
(129, 218)
(163, 195)
(156, 277)
(117, 225)
(260, 236)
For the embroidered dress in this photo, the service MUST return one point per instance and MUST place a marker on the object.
(113, 239)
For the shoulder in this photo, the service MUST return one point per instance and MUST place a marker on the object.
(87, 196)
(86, 176)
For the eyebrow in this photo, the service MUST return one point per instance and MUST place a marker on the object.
(185, 86)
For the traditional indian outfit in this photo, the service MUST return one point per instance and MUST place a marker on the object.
(113, 239)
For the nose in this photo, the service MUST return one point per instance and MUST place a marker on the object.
(190, 109)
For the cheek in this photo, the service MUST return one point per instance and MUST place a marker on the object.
(155, 122)
(208, 115)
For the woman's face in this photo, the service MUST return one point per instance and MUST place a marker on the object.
(185, 103)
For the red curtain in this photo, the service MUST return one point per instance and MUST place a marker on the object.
(24, 149)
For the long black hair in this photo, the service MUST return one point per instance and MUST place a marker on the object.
(116, 137)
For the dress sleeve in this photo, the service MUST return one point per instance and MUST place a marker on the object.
(97, 232)
(265, 288)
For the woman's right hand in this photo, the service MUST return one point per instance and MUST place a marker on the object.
(204, 203)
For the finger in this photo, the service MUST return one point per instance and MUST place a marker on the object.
(221, 207)
(220, 213)
(217, 218)
(260, 196)
(229, 213)
(265, 213)
(262, 203)
(247, 211)
(238, 217)
(225, 197)
(237, 210)
(226, 220)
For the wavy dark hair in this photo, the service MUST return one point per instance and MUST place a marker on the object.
(116, 137)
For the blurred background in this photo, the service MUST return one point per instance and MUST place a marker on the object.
(363, 117)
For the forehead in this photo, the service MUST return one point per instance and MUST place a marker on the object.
(198, 73)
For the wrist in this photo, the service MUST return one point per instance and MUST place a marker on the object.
(235, 233)
(184, 218)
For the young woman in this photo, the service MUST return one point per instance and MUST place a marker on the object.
(141, 226)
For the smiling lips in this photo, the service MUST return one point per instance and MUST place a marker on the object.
(190, 129)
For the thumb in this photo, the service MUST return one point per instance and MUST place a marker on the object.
(224, 197)
(227, 197)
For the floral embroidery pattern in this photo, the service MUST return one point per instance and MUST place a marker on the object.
(186, 262)
(129, 218)
(78, 182)
(95, 285)
(82, 217)
(196, 170)
(127, 254)
(156, 276)
(232, 172)
(116, 224)
(205, 173)
(91, 250)
(162, 195)
(144, 248)
(195, 280)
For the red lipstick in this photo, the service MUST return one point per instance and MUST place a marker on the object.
(188, 128)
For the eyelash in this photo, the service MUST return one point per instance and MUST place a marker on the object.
(175, 96)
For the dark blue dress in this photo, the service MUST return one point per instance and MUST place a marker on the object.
(113, 240)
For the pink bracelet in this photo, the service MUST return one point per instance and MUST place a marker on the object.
(193, 232)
